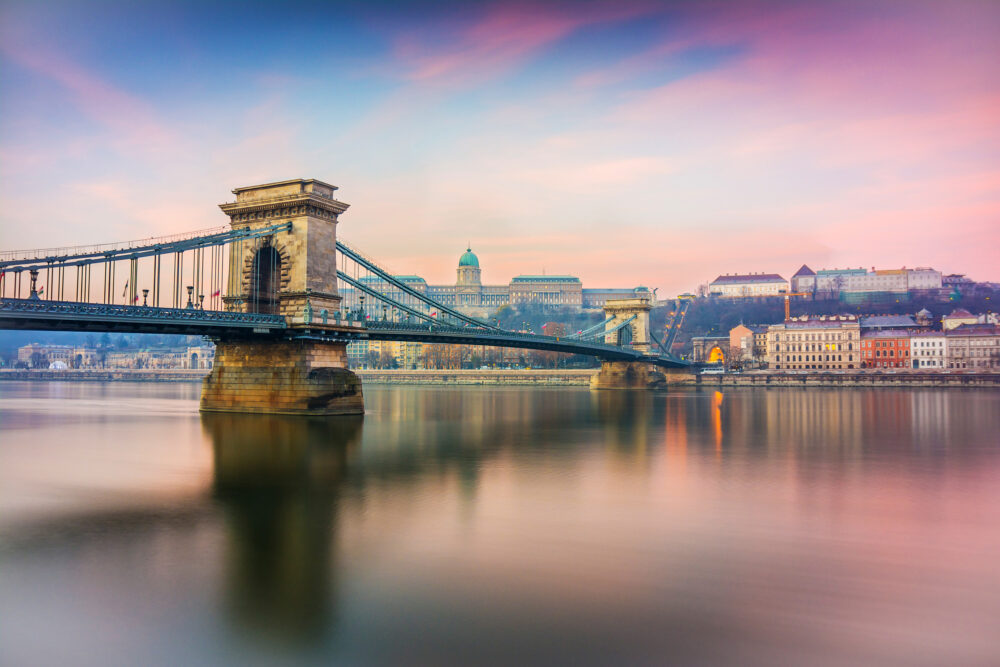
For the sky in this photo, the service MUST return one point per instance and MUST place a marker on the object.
(627, 143)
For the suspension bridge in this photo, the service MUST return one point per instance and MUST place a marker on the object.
(282, 296)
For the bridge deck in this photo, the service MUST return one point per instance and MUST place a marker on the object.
(37, 314)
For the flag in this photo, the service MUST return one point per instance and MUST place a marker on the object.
(217, 292)
(135, 300)
(41, 291)
(126, 288)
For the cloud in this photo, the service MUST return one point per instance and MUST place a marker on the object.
(131, 123)
(497, 39)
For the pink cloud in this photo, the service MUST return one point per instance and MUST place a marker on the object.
(504, 36)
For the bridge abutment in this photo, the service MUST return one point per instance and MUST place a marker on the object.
(282, 377)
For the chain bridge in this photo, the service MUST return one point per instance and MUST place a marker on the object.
(281, 296)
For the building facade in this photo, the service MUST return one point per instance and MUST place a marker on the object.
(928, 350)
(748, 285)
(833, 282)
(817, 343)
(957, 318)
(973, 346)
(885, 349)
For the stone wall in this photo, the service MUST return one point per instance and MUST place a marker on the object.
(578, 377)
(845, 379)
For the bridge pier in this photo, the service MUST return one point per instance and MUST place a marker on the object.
(627, 375)
(292, 377)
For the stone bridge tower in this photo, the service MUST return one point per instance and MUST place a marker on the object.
(277, 273)
(628, 374)
(303, 369)
(636, 334)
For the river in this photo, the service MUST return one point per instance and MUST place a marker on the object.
(487, 525)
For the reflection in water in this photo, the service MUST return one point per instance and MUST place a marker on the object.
(503, 525)
(277, 479)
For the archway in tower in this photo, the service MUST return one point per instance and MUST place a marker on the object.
(265, 279)
(625, 335)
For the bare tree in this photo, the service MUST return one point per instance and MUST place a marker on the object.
(735, 359)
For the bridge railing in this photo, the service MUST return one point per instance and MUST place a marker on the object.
(38, 309)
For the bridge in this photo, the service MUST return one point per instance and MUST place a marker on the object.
(281, 296)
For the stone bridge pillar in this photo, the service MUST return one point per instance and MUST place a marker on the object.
(281, 274)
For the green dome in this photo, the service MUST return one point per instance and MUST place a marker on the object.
(468, 258)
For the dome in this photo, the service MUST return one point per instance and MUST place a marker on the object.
(468, 258)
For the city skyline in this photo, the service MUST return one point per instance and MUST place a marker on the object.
(636, 143)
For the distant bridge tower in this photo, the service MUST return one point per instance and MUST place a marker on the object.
(636, 334)
(275, 274)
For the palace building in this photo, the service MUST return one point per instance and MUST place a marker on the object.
(471, 296)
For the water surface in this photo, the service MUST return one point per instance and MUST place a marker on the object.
(501, 525)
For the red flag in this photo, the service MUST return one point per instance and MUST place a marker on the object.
(217, 292)
(135, 300)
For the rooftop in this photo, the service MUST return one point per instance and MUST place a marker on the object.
(840, 272)
(885, 334)
(974, 330)
(818, 324)
(545, 279)
(804, 271)
(748, 278)
(468, 258)
(890, 321)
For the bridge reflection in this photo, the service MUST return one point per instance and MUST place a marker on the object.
(277, 480)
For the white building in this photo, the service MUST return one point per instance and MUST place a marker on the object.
(748, 285)
(835, 281)
(929, 350)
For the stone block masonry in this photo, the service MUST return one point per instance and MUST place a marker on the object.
(627, 375)
(282, 377)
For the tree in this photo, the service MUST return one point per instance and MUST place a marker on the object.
(371, 359)
(387, 359)
(734, 360)
(39, 360)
